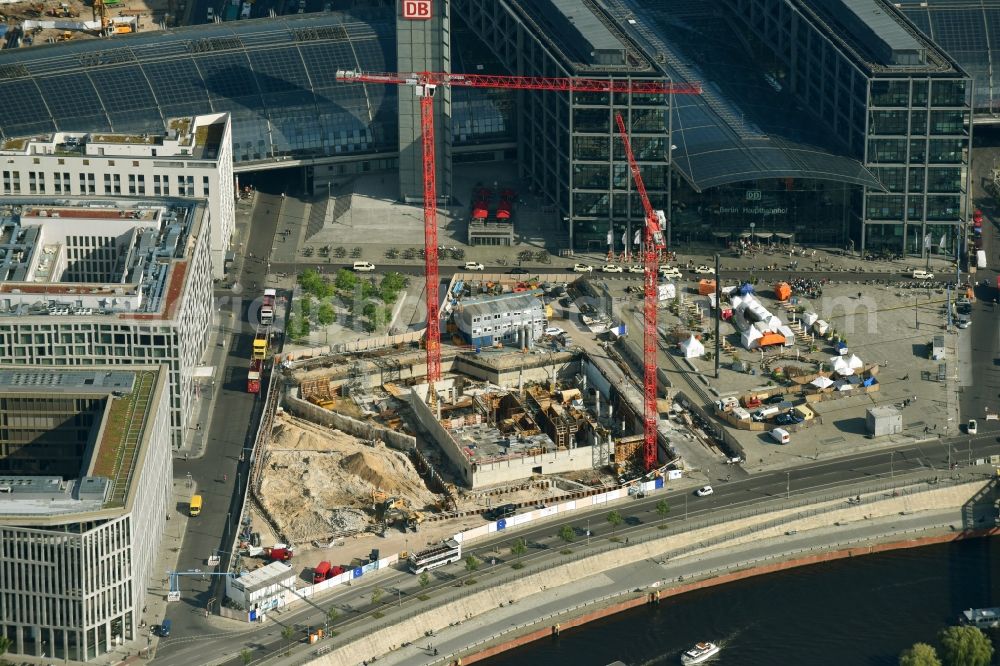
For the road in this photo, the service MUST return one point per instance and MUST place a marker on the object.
(353, 604)
(217, 472)
(446, 271)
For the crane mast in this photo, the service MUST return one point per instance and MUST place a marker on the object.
(652, 245)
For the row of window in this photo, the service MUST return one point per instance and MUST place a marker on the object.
(183, 184)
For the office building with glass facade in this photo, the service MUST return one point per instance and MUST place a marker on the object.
(85, 481)
(820, 121)
(790, 138)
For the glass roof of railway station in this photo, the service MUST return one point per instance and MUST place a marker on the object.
(969, 30)
(740, 128)
(275, 76)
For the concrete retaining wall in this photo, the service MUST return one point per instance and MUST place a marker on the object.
(310, 412)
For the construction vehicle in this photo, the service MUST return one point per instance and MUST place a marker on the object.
(253, 376)
(261, 342)
(424, 85)
(267, 307)
(65, 36)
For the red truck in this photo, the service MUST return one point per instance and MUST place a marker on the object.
(253, 376)
(278, 554)
(321, 572)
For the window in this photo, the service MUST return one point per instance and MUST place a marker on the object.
(947, 122)
(948, 93)
(131, 184)
(205, 189)
(890, 93)
(156, 184)
(888, 122)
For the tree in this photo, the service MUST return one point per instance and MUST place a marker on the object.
(377, 594)
(662, 509)
(424, 579)
(471, 563)
(292, 327)
(965, 646)
(567, 534)
(615, 519)
(287, 632)
(518, 548)
(305, 306)
(326, 315)
(246, 656)
(345, 280)
(371, 312)
(4, 645)
(331, 616)
(920, 654)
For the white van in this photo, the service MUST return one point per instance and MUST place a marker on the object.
(781, 436)
(363, 267)
(980, 258)
(764, 413)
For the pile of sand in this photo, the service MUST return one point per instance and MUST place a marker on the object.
(318, 482)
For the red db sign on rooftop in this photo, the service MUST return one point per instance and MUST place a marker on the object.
(417, 9)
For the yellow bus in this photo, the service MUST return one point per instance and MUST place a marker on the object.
(195, 505)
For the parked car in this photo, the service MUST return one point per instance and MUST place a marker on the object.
(554, 331)
(773, 399)
(964, 321)
(582, 268)
(211, 14)
(635, 268)
(474, 266)
(704, 270)
(921, 274)
(165, 627)
(704, 491)
(364, 267)
(733, 460)
(788, 418)
(611, 268)
(670, 273)
(972, 428)
(517, 270)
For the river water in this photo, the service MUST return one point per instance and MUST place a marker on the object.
(859, 611)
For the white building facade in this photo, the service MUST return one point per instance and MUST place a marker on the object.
(109, 285)
(193, 159)
(76, 555)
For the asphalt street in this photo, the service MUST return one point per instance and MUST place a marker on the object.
(219, 469)
(354, 606)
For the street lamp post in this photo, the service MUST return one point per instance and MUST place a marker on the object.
(788, 485)
(588, 531)
(685, 506)
(891, 458)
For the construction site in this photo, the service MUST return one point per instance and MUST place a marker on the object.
(35, 23)
(361, 446)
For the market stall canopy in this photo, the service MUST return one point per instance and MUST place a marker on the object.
(692, 347)
(822, 382)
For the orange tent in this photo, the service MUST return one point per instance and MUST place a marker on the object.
(783, 291)
(769, 339)
(706, 287)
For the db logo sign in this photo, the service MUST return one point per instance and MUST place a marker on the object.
(417, 9)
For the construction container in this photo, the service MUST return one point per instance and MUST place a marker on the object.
(783, 291)
(883, 421)
(706, 287)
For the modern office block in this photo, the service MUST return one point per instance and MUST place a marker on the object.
(85, 479)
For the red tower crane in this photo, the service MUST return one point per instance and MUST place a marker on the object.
(652, 245)
(425, 84)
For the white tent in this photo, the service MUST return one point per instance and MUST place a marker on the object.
(692, 347)
(854, 362)
(750, 337)
(773, 324)
(822, 382)
(841, 367)
(665, 292)
(789, 335)
(809, 318)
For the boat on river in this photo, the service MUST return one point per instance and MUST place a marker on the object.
(700, 653)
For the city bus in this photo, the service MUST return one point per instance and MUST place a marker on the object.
(444, 553)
